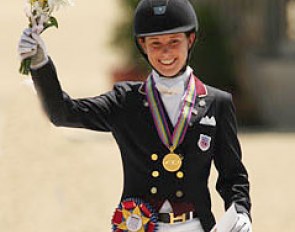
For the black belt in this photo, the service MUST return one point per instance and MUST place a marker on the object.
(171, 218)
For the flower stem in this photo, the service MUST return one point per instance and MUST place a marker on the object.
(25, 66)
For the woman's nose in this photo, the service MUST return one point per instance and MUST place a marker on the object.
(166, 48)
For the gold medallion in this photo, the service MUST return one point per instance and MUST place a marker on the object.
(172, 162)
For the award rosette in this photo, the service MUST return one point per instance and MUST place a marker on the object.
(134, 215)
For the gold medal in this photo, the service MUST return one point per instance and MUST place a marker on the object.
(172, 162)
(171, 139)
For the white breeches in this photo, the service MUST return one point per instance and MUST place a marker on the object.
(193, 225)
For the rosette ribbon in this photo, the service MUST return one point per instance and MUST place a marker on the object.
(134, 215)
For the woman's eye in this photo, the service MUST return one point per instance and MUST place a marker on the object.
(156, 44)
(174, 42)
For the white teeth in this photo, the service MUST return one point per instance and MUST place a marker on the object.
(167, 62)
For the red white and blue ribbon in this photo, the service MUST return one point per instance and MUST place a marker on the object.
(134, 215)
(171, 140)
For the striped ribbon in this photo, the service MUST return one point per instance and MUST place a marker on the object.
(171, 141)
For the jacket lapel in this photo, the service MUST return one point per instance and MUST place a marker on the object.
(202, 104)
(141, 90)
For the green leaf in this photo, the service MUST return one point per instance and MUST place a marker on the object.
(25, 66)
(52, 22)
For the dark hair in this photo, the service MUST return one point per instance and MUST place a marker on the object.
(187, 34)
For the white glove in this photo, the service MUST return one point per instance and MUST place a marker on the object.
(32, 46)
(243, 224)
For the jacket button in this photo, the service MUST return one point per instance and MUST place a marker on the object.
(195, 111)
(180, 175)
(154, 190)
(179, 194)
(155, 174)
(146, 104)
(154, 157)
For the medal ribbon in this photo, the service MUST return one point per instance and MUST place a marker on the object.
(171, 141)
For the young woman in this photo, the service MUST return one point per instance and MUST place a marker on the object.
(169, 128)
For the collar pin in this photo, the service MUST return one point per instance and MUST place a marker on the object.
(202, 103)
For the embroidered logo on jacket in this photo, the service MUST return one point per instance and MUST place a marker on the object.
(204, 142)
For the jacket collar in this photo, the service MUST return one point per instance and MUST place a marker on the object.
(201, 88)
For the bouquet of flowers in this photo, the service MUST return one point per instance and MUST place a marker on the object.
(40, 17)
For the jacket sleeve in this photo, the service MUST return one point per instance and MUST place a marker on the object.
(232, 183)
(94, 113)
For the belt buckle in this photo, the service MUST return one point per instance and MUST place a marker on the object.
(180, 218)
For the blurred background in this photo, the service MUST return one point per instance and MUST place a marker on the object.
(68, 180)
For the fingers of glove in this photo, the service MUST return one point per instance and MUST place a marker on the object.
(27, 31)
(24, 50)
(43, 19)
(27, 36)
(27, 46)
(40, 58)
(38, 29)
(34, 22)
(27, 42)
(240, 226)
(245, 228)
(39, 41)
(24, 56)
(38, 23)
(37, 38)
(243, 224)
(36, 26)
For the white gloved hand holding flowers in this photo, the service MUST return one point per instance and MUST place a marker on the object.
(31, 48)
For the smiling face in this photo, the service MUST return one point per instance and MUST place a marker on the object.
(167, 53)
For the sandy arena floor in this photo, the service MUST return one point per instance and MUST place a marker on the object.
(67, 180)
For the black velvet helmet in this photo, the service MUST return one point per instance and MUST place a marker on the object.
(158, 17)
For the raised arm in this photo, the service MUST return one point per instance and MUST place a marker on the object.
(92, 113)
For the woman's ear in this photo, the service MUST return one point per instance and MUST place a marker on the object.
(191, 39)
(141, 42)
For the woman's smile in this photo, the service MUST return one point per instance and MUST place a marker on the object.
(167, 53)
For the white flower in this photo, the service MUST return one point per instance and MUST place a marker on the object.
(56, 4)
(28, 9)
(39, 11)
(41, 7)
